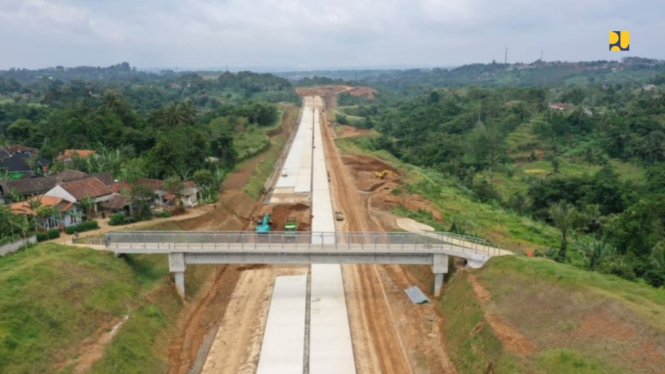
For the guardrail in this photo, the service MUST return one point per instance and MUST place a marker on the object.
(298, 240)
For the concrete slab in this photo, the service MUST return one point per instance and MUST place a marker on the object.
(283, 346)
(330, 348)
(322, 209)
(296, 173)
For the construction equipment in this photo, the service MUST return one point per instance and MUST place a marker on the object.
(384, 174)
(263, 226)
(291, 226)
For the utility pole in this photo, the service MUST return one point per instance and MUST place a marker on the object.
(505, 57)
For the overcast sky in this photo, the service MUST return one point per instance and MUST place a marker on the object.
(307, 34)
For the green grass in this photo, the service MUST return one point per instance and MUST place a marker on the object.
(551, 304)
(581, 321)
(265, 167)
(540, 273)
(274, 149)
(568, 361)
(52, 297)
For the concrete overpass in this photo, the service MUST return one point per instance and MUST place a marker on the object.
(183, 248)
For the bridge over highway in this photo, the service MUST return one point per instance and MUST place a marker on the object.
(183, 248)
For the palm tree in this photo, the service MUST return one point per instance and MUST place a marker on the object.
(112, 102)
(178, 113)
(596, 251)
(563, 215)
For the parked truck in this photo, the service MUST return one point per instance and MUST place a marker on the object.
(291, 226)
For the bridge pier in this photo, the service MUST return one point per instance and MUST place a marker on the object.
(439, 268)
(177, 266)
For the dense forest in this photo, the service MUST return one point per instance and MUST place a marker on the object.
(586, 159)
(411, 82)
(163, 126)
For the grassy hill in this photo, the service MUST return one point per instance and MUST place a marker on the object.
(55, 300)
(529, 315)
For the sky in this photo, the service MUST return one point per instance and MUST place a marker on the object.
(307, 34)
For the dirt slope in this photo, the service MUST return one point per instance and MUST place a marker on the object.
(529, 315)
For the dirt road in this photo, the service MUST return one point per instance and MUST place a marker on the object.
(390, 335)
(376, 340)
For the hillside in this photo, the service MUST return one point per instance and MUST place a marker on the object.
(60, 306)
(526, 315)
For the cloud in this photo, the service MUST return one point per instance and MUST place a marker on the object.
(307, 34)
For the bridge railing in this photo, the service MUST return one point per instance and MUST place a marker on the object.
(296, 240)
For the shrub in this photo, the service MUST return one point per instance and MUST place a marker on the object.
(42, 236)
(117, 219)
(163, 214)
(53, 234)
(82, 227)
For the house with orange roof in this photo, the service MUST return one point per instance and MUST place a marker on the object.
(69, 154)
(63, 212)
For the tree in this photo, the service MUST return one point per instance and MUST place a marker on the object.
(562, 215)
(596, 252)
(87, 204)
(207, 183)
(20, 130)
(174, 186)
(142, 197)
(112, 102)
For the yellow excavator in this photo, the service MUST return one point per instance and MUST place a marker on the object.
(384, 174)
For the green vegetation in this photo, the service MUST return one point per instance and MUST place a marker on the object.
(53, 297)
(265, 167)
(600, 155)
(551, 305)
(82, 227)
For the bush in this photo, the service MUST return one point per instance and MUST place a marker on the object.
(53, 234)
(42, 236)
(117, 219)
(82, 227)
(163, 214)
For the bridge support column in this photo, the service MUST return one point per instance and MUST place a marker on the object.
(439, 268)
(177, 266)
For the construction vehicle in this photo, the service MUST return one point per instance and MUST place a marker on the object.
(384, 174)
(339, 216)
(290, 226)
(263, 226)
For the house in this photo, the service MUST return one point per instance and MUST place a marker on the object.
(17, 165)
(106, 178)
(649, 87)
(17, 148)
(64, 213)
(82, 189)
(69, 175)
(26, 187)
(189, 192)
(70, 154)
(557, 106)
(118, 203)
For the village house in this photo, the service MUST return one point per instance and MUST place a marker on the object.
(63, 213)
(188, 194)
(78, 190)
